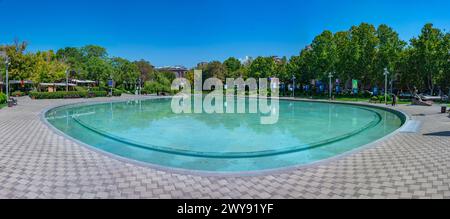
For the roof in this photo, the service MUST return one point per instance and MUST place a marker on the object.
(20, 82)
(173, 68)
(82, 81)
(57, 84)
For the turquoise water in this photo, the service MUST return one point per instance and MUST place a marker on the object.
(148, 131)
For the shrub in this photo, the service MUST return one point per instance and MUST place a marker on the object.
(117, 93)
(381, 98)
(2, 98)
(78, 88)
(375, 99)
(67, 95)
(151, 87)
(17, 94)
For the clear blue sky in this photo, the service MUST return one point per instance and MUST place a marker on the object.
(170, 32)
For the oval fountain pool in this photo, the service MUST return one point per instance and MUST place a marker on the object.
(148, 131)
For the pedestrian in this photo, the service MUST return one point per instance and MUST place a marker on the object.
(394, 100)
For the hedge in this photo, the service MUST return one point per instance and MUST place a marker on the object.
(67, 95)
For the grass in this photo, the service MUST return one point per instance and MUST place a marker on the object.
(2, 105)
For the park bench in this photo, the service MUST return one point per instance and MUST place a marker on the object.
(12, 102)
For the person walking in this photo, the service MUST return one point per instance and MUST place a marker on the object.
(394, 100)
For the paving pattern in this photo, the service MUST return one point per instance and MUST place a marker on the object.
(37, 163)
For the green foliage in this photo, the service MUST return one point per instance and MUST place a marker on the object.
(146, 69)
(93, 51)
(262, 67)
(232, 66)
(17, 94)
(155, 87)
(78, 88)
(117, 93)
(361, 53)
(215, 69)
(2, 98)
(97, 69)
(125, 73)
(429, 55)
(67, 95)
(162, 83)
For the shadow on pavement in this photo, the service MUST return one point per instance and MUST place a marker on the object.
(440, 134)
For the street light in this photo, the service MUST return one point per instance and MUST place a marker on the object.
(293, 85)
(67, 80)
(5, 56)
(330, 75)
(64, 60)
(386, 73)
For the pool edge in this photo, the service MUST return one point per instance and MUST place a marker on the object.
(402, 115)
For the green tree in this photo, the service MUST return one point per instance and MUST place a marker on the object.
(323, 55)
(409, 74)
(97, 69)
(91, 51)
(74, 58)
(429, 49)
(21, 63)
(364, 43)
(215, 69)
(232, 66)
(389, 52)
(47, 68)
(261, 67)
(125, 73)
(346, 57)
(146, 69)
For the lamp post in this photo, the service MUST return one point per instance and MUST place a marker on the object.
(111, 85)
(5, 56)
(386, 73)
(140, 86)
(330, 76)
(293, 85)
(67, 80)
(7, 77)
(64, 60)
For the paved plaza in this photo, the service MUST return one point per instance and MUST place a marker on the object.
(35, 162)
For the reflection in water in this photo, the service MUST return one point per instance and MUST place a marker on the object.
(152, 123)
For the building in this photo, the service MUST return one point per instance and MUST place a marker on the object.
(179, 71)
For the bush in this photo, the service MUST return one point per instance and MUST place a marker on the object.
(374, 99)
(17, 94)
(67, 95)
(153, 87)
(2, 98)
(381, 98)
(117, 93)
(78, 88)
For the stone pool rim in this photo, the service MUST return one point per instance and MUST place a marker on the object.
(404, 117)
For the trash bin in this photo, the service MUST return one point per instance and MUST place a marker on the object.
(10, 103)
(443, 109)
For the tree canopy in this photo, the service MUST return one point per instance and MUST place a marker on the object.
(362, 52)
